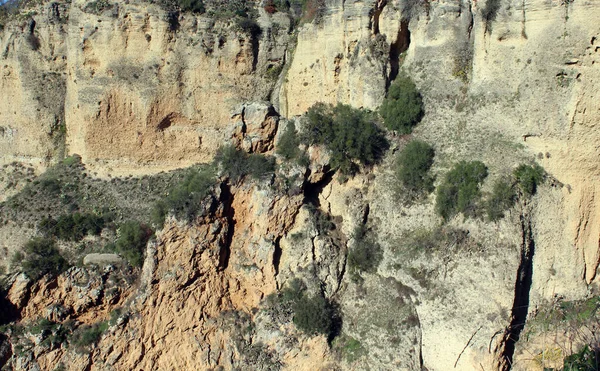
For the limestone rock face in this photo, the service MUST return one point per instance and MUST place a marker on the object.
(33, 83)
(130, 91)
(340, 59)
(134, 95)
(125, 62)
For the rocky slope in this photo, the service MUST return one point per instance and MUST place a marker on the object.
(504, 82)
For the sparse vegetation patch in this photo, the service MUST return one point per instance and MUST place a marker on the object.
(184, 200)
(366, 253)
(503, 197)
(460, 189)
(236, 164)
(413, 166)
(72, 227)
(312, 314)
(528, 177)
(40, 257)
(132, 240)
(87, 336)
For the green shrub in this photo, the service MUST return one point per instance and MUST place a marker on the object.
(97, 7)
(503, 197)
(584, 360)
(529, 177)
(294, 291)
(249, 27)
(72, 227)
(489, 12)
(89, 335)
(53, 333)
(42, 257)
(349, 348)
(459, 192)
(349, 134)
(260, 166)
(132, 241)
(185, 200)
(311, 314)
(366, 254)
(194, 6)
(314, 315)
(287, 147)
(413, 165)
(237, 164)
(402, 109)
(229, 9)
(422, 239)
(50, 185)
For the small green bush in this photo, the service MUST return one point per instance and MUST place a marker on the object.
(294, 291)
(249, 27)
(50, 185)
(489, 12)
(260, 166)
(402, 109)
(132, 240)
(313, 315)
(87, 336)
(584, 360)
(185, 199)
(72, 227)
(413, 165)
(460, 190)
(237, 164)
(194, 6)
(53, 334)
(529, 177)
(287, 147)
(503, 197)
(350, 134)
(97, 7)
(42, 257)
(366, 254)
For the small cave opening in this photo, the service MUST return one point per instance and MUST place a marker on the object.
(8, 311)
(166, 122)
(313, 190)
(396, 49)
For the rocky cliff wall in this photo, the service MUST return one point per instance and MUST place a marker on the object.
(504, 85)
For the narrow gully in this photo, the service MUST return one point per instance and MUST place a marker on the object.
(520, 308)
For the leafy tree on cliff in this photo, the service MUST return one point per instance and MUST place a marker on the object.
(402, 109)
(350, 134)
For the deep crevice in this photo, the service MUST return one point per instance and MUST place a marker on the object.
(471, 19)
(255, 44)
(5, 350)
(376, 15)
(520, 307)
(396, 49)
(313, 190)
(229, 213)
(277, 255)
(8, 311)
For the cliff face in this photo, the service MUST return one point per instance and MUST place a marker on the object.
(133, 93)
(129, 89)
